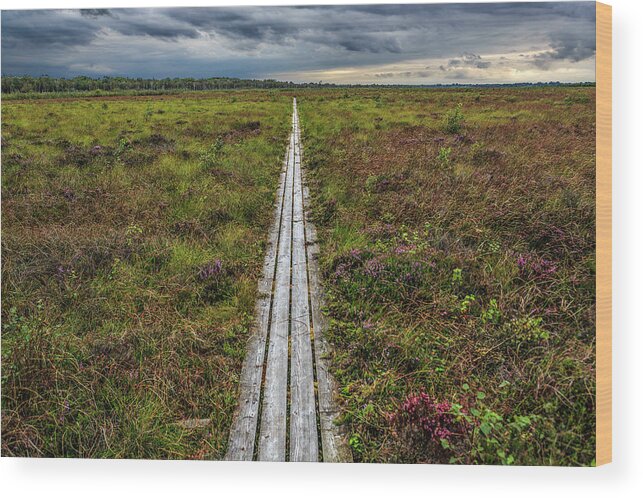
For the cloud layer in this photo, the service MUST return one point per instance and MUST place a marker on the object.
(417, 44)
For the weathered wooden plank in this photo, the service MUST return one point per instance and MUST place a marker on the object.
(244, 426)
(289, 304)
(334, 447)
(272, 437)
(303, 413)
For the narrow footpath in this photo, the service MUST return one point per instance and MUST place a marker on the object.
(286, 410)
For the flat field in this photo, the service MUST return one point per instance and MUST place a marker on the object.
(133, 234)
(457, 248)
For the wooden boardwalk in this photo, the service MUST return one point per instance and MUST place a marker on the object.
(286, 410)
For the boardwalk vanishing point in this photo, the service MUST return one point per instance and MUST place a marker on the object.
(286, 409)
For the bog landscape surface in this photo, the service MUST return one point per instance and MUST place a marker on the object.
(457, 251)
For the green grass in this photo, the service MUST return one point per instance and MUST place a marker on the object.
(110, 210)
(458, 250)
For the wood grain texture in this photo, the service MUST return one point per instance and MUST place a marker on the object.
(272, 438)
(303, 413)
(603, 234)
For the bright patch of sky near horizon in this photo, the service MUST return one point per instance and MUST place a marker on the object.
(386, 44)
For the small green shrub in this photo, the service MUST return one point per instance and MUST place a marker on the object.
(210, 157)
(456, 276)
(356, 444)
(371, 183)
(443, 157)
(492, 313)
(527, 329)
(454, 119)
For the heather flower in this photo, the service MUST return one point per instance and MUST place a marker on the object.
(410, 278)
(373, 268)
(544, 267)
(340, 272)
(540, 267)
(211, 270)
(401, 249)
(421, 416)
(63, 271)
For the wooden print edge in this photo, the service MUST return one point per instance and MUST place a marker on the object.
(603, 233)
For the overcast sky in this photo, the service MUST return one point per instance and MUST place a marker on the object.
(409, 44)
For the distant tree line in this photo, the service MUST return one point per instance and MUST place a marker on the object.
(47, 84)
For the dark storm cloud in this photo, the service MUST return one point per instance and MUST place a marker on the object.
(257, 41)
(371, 44)
(155, 30)
(26, 29)
(567, 46)
(51, 28)
(93, 13)
(256, 24)
(286, 25)
(469, 59)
